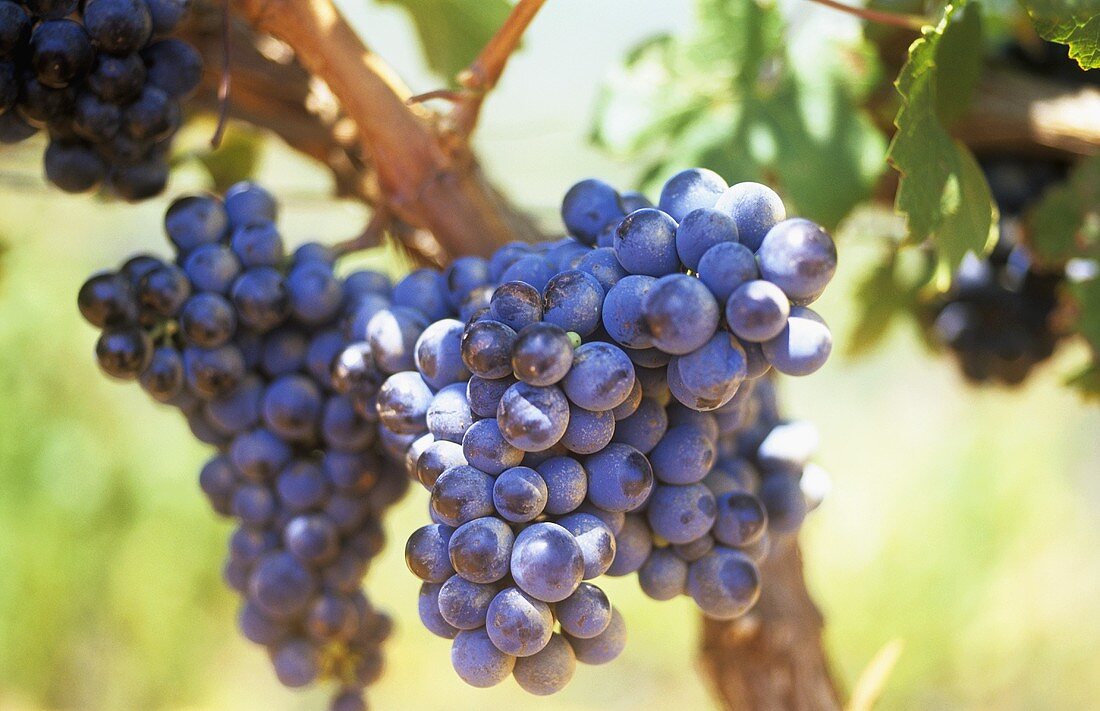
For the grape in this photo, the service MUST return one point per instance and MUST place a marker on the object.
(532, 418)
(207, 320)
(784, 501)
(679, 313)
(603, 265)
(487, 349)
(247, 203)
(292, 407)
(690, 190)
(601, 377)
(505, 257)
(547, 563)
(588, 207)
(105, 300)
(741, 519)
(73, 167)
(680, 514)
(803, 345)
(541, 354)
(605, 646)
(485, 447)
(664, 574)
(428, 607)
(519, 494)
(700, 230)
(532, 270)
(425, 291)
(403, 403)
(60, 52)
(461, 494)
(438, 354)
(515, 304)
(463, 276)
(622, 311)
(684, 455)
(518, 623)
(643, 429)
(163, 377)
(654, 384)
(123, 353)
(257, 244)
(15, 27)
(712, 373)
(619, 478)
(572, 300)
(588, 432)
(630, 405)
(152, 117)
(755, 208)
(437, 458)
(484, 395)
(799, 257)
(596, 541)
(280, 585)
(463, 604)
(633, 543)
(566, 484)
(757, 311)
(724, 583)
(449, 416)
(175, 68)
(586, 613)
(547, 671)
(645, 243)
(478, 661)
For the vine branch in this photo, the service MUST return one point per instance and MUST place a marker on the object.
(897, 19)
(423, 182)
(483, 74)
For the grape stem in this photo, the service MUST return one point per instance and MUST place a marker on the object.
(226, 79)
(897, 19)
(482, 75)
(371, 235)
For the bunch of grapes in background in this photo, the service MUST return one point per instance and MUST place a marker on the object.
(598, 408)
(999, 317)
(249, 344)
(104, 81)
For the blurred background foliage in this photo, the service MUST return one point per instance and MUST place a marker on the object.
(962, 522)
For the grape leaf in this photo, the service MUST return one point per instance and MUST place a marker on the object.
(745, 98)
(452, 32)
(1087, 295)
(889, 289)
(1071, 22)
(942, 191)
(1066, 223)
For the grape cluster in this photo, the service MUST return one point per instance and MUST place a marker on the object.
(998, 316)
(251, 346)
(104, 80)
(598, 407)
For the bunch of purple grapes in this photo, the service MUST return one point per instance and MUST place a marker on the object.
(598, 408)
(102, 78)
(251, 346)
(998, 318)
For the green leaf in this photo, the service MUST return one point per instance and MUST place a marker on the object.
(452, 32)
(747, 98)
(891, 287)
(1087, 296)
(1071, 22)
(1066, 223)
(942, 191)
